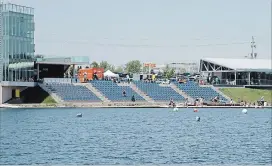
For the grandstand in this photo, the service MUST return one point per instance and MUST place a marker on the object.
(195, 91)
(21, 70)
(159, 93)
(113, 92)
(51, 71)
(72, 93)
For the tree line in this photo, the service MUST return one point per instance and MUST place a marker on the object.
(132, 67)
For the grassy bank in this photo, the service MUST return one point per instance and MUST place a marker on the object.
(247, 94)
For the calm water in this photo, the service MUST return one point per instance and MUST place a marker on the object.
(135, 136)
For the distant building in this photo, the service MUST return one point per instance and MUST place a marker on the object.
(19, 68)
(184, 67)
(16, 42)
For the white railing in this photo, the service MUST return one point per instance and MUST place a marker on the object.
(18, 83)
(59, 80)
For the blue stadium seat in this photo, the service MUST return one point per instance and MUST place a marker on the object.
(196, 91)
(114, 92)
(159, 93)
(70, 92)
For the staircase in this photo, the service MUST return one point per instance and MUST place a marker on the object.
(221, 93)
(52, 94)
(175, 88)
(137, 90)
(96, 92)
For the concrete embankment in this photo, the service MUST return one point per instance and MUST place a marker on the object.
(115, 105)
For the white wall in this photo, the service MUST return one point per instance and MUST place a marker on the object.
(18, 84)
(6, 94)
(1, 94)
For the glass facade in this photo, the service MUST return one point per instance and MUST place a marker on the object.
(16, 43)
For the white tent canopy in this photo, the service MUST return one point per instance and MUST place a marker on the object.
(110, 74)
(251, 65)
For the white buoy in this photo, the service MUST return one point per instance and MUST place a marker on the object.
(79, 115)
(244, 111)
(198, 118)
(175, 109)
(195, 110)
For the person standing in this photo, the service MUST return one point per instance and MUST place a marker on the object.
(231, 102)
(186, 102)
(133, 98)
(124, 93)
(76, 77)
(85, 76)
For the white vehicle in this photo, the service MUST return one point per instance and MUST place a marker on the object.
(194, 77)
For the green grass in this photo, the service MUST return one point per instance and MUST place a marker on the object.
(247, 94)
(48, 100)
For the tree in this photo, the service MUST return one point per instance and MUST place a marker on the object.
(95, 64)
(133, 66)
(106, 66)
(168, 72)
(111, 68)
(146, 70)
(119, 69)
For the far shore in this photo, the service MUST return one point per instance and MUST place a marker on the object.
(119, 105)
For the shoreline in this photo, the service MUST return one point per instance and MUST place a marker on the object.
(117, 105)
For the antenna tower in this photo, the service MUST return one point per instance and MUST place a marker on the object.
(253, 46)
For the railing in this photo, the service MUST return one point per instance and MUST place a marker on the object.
(57, 80)
(243, 82)
(18, 83)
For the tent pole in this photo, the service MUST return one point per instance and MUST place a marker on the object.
(38, 71)
(249, 78)
(235, 77)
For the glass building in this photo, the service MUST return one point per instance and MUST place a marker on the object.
(16, 43)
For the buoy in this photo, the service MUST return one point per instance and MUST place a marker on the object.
(195, 110)
(244, 111)
(79, 115)
(197, 118)
(175, 109)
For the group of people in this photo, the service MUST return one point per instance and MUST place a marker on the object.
(216, 99)
(173, 104)
(260, 102)
(199, 101)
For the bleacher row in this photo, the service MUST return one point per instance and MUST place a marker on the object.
(114, 92)
(69, 92)
(159, 93)
(78, 93)
(195, 91)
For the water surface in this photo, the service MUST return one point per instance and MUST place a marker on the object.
(135, 136)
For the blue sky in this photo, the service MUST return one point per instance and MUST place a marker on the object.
(158, 31)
